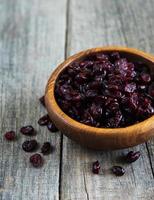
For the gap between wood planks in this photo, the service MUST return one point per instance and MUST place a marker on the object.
(150, 161)
(65, 56)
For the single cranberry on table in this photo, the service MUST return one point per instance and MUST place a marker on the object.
(46, 148)
(36, 160)
(118, 170)
(30, 145)
(96, 167)
(51, 127)
(28, 130)
(107, 86)
(132, 156)
(42, 100)
(10, 135)
(43, 121)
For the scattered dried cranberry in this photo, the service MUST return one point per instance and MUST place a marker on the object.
(106, 90)
(10, 135)
(132, 156)
(42, 100)
(43, 121)
(96, 167)
(46, 148)
(118, 170)
(51, 127)
(30, 145)
(36, 160)
(27, 130)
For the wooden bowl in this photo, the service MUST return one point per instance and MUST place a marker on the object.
(99, 138)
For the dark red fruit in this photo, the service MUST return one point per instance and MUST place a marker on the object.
(46, 148)
(115, 56)
(151, 90)
(42, 100)
(36, 160)
(130, 87)
(132, 156)
(106, 90)
(96, 167)
(10, 135)
(51, 127)
(118, 170)
(43, 121)
(145, 78)
(30, 145)
(27, 130)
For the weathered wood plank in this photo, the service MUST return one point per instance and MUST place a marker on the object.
(32, 38)
(97, 23)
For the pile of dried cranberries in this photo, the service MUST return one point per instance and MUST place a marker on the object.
(106, 90)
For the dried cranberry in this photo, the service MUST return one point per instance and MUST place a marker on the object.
(36, 160)
(91, 94)
(51, 127)
(96, 167)
(114, 121)
(145, 78)
(118, 170)
(27, 130)
(10, 135)
(96, 111)
(115, 56)
(81, 78)
(30, 145)
(43, 121)
(132, 156)
(42, 100)
(130, 87)
(101, 56)
(46, 148)
(151, 90)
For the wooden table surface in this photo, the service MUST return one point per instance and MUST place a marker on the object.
(35, 36)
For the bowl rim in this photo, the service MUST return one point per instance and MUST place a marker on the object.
(53, 105)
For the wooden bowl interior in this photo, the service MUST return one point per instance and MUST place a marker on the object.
(92, 137)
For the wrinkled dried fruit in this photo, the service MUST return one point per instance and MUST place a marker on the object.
(132, 156)
(106, 90)
(46, 148)
(96, 167)
(36, 160)
(27, 130)
(51, 127)
(29, 145)
(118, 170)
(43, 121)
(10, 135)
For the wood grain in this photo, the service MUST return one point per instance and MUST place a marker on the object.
(98, 23)
(32, 41)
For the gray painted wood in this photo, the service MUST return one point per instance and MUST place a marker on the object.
(98, 23)
(32, 41)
